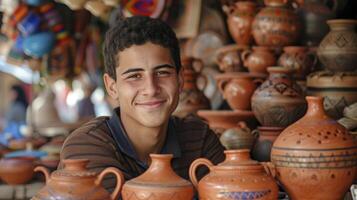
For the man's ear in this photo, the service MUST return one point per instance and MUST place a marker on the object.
(110, 86)
(180, 79)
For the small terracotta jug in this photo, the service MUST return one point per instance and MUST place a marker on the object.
(228, 58)
(76, 182)
(158, 182)
(239, 137)
(238, 177)
(258, 60)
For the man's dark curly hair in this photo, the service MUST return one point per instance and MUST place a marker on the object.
(138, 30)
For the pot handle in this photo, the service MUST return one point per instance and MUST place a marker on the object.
(193, 168)
(245, 55)
(269, 168)
(221, 83)
(120, 180)
(45, 171)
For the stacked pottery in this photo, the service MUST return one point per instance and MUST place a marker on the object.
(258, 59)
(228, 58)
(238, 137)
(315, 153)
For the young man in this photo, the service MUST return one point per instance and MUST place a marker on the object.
(142, 74)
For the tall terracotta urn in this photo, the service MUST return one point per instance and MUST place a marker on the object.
(279, 100)
(238, 177)
(338, 50)
(192, 98)
(276, 25)
(76, 182)
(239, 20)
(258, 59)
(315, 158)
(158, 182)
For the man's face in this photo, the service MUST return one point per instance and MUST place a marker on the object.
(147, 85)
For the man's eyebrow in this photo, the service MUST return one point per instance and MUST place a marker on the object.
(155, 68)
(132, 70)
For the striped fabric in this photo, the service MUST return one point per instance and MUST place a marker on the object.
(94, 141)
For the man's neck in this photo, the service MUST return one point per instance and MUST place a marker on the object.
(145, 140)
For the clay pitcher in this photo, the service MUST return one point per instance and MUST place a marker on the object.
(158, 182)
(76, 182)
(258, 60)
(238, 177)
(315, 153)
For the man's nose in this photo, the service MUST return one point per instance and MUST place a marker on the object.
(151, 86)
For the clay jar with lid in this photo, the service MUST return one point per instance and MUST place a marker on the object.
(239, 20)
(229, 59)
(338, 50)
(76, 182)
(315, 153)
(258, 59)
(238, 177)
(158, 182)
(279, 100)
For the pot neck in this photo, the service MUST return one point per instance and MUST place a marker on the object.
(279, 71)
(295, 49)
(342, 24)
(160, 163)
(315, 107)
(246, 5)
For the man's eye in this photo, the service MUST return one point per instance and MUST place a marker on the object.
(134, 76)
(163, 73)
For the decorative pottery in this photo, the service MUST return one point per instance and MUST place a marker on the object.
(339, 90)
(238, 177)
(313, 153)
(298, 59)
(338, 49)
(239, 20)
(279, 100)
(239, 137)
(258, 60)
(238, 87)
(15, 171)
(314, 14)
(158, 182)
(191, 98)
(76, 182)
(266, 137)
(228, 58)
(276, 25)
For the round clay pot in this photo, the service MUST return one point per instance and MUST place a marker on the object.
(238, 177)
(158, 182)
(258, 60)
(298, 59)
(192, 98)
(239, 137)
(238, 87)
(228, 58)
(279, 100)
(239, 20)
(276, 25)
(338, 50)
(76, 182)
(18, 170)
(266, 137)
(313, 153)
(339, 90)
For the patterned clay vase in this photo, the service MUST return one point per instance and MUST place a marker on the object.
(76, 182)
(238, 177)
(228, 58)
(266, 137)
(276, 25)
(258, 60)
(315, 153)
(158, 182)
(239, 137)
(239, 20)
(279, 100)
(192, 98)
(338, 50)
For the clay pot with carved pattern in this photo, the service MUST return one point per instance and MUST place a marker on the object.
(279, 100)
(237, 177)
(258, 59)
(158, 182)
(313, 153)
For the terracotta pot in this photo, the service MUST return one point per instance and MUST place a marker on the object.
(266, 137)
(239, 137)
(239, 20)
(279, 100)
(158, 182)
(313, 153)
(314, 14)
(15, 171)
(238, 177)
(258, 60)
(298, 59)
(192, 98)
(339, 90)
(238, 87)
(276, 25)
(76, 182)
(338, 49)
(228, 58)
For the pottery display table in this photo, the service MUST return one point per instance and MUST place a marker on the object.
(20, 192)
